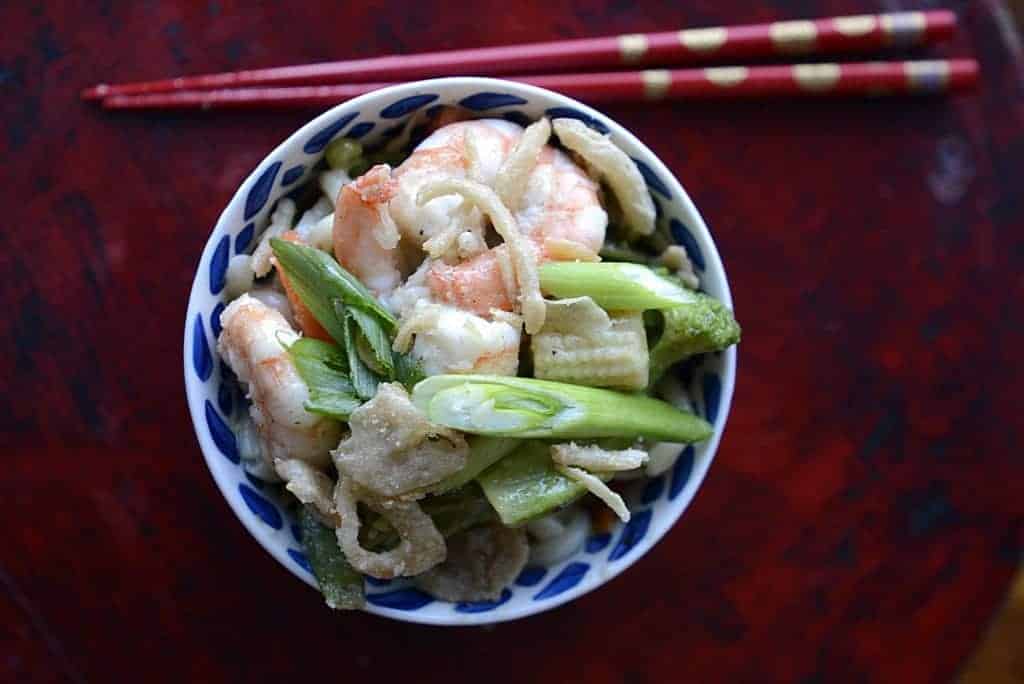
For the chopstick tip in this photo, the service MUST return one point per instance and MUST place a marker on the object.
(96, 92)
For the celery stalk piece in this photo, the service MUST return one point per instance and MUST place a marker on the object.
(525, 485)
(340, 584)
(614, 286)
(704, 326)
(324, 369)
(528, 408)
(483, 453)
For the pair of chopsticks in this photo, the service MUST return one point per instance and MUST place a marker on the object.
(328, 83)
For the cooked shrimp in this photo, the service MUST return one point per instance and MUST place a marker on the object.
(559, 208)
(452, 341)
(365, 236)
(253, 343)
(466, 149)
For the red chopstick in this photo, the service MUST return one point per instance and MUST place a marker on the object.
(824, 79)
(832, 35)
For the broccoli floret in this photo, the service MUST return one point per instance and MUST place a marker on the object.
(706, 325)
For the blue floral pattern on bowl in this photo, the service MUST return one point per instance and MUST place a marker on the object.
(655, 504)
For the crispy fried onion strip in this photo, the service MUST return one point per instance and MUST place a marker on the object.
(481, 562)
(394, 450)
(514, 173)
(594, 458)
(559, 249)
(310, 486)
(424, 317)
(422, 546)
(617, 169)
(677, 260)
(597, 488)
(522, 252)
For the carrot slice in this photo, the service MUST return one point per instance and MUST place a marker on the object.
(303, 316)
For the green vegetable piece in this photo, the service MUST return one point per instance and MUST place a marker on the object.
(452, 513)
(324, 369)
(528, 408)
(344, 153)
(525, 485)
(376, 339)
(613, 286)
(483, 453)
(340, 584)
(706, 325)
(408, 371)
(319, 280)
(363, 380)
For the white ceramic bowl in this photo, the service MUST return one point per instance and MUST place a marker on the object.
(213, 401)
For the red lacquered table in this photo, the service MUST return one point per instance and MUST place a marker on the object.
(863, 517)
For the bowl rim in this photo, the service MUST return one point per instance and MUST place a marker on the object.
(696, 222)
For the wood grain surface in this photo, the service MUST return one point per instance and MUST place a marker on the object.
(863, 518)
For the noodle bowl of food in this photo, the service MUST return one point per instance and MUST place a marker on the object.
(459, 351)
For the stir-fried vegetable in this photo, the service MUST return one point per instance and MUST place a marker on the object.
(324, 369)
(528, 408)
(613, 356)
(525, 485)
(341, 586)
(325, 280)
(705, 325)
(350, 314)
(614, 286)
(483, 453)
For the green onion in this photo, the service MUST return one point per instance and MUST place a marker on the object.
(376, 339)
(452, 513)
(408, 371)
(324, 369)
(344, 153)
(704, 326)
(320, 280)
(613, 286)
(483, 453)
(340, 584)
(363, 380)
(525, 485)
(529, 408)
(349, 313)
